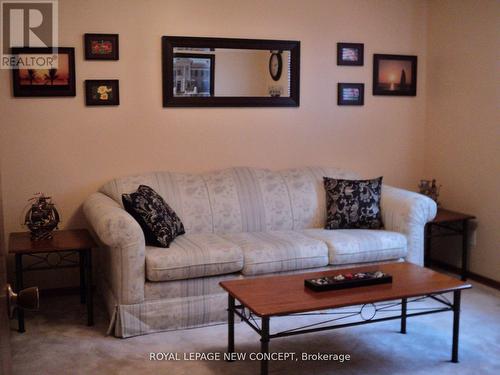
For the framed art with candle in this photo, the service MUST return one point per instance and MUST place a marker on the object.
(394, 75)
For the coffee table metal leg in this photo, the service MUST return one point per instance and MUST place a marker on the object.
(264, 345)
(465, 248)
(19, 287)
(427, 244)
(88, 285)
(456, 323)
(83, 290)
(403, 315)
(230, 325)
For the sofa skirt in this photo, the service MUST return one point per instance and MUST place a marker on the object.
(170, 314)
(165, 315)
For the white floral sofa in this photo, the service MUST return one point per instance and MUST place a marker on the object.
(240, 222)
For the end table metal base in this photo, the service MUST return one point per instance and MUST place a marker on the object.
(85, 265)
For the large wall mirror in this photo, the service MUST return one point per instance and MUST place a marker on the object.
(222, 72)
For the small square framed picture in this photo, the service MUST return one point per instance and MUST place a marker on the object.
(350, 54)
(351, 94)
(101, 46)
(102, 92)
(394, 75)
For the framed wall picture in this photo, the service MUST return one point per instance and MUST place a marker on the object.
(350, 54)
(351, 94)
(101, 46)
(194, 74)
(102, 92)
(394, 75)
(58, 79)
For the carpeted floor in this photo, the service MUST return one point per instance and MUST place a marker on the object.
(58, 342)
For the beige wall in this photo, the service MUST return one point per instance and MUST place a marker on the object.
(67, 150)
(463, 127)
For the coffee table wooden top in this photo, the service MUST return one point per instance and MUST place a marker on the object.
(281, 295)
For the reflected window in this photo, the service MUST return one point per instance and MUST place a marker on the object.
(194, 74)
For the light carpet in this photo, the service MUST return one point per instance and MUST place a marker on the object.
(57, 341)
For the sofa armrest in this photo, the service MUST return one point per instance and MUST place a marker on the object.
(407, 212)
(123, 255)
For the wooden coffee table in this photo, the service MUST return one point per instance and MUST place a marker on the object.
(266, 297)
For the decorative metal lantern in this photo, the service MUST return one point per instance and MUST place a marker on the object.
(41, 218)
(430, 189)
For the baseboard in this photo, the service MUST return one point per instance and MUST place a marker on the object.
(471, 275)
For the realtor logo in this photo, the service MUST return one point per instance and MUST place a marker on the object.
(27, 24)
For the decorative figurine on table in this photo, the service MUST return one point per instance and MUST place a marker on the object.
(41, 218)
(430, 189)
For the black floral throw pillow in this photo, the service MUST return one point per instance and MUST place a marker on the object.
(157, 219)
(353, 204)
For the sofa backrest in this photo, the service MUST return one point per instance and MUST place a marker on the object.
(239, 199)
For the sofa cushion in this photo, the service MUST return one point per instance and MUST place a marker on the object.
(158, 221)
(194, 255)
(198, 286)
(238, 199)
(346, 246)
(278, 251)
(306, 189)
(353, 204)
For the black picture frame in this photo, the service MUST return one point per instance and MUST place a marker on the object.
(206, 56)
(171, 42)
(389, 69)
(49, 87)
(112, 39)
(350, 54)
(91, 96)
(346, 93)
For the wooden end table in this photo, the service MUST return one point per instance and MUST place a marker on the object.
(263, 298)
(448, 223)
(57, 252)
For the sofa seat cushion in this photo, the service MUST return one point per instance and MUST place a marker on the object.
(346, 246)
(199, 286)
(278, 251)
(194, 255)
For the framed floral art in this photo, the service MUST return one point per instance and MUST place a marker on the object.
(102, 92)
(101, 46)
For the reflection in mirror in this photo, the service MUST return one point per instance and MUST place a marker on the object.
(230, 72)
(193, 74)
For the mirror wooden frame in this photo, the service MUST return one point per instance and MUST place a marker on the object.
(171, 42)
